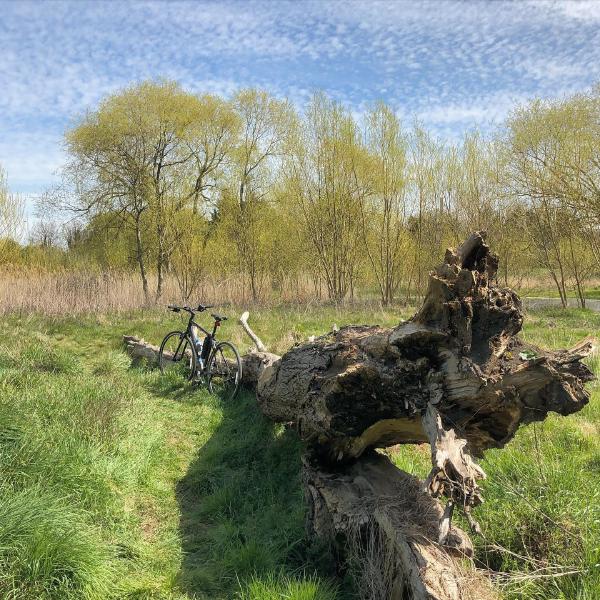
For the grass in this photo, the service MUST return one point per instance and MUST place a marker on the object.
(590, 293)
(116, 482)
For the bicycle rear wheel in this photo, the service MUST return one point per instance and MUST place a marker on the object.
(224, 371)
(177, 354)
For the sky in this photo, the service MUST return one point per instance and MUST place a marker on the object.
(453, 65)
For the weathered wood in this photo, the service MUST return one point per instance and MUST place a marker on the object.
(454, 473)
(243, 320)
(138, 348)
(254, 364)
(381, 520)
(367, 386)
(457, 376)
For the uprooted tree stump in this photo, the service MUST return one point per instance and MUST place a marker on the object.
(456, 376)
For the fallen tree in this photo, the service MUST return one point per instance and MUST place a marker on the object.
(456, 376)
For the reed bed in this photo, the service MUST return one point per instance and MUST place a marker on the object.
(68, 292)
(79, 291)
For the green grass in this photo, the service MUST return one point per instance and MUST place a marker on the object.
(589, 293)
(116, 482)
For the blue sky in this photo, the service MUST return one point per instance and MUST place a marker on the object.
(454, 65)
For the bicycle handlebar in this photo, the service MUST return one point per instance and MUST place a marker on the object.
(201, 308)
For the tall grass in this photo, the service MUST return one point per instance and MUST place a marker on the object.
(70, 291)
(80, 291)
(116, 482)
(65, 468)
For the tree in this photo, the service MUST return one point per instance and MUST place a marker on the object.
(428, 197)
(327, 180)
(127, 158)
(11, 218)
(554, 168)
(265, 124)
(210, 139)
(190, 259)
(384, 210)
(45, 233)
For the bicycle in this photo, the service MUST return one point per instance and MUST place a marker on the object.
(218, 364)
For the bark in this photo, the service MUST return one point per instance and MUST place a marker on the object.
(139, 251)
(380, 520)
(366, 386)
(243, 320)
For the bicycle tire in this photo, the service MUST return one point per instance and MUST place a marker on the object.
(224, 371)
(167, 360)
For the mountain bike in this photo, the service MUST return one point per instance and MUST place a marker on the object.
(216, 364)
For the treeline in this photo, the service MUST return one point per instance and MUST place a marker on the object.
(176, 185)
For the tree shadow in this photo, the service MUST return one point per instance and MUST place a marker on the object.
(241, 506)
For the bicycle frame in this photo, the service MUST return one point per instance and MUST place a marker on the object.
(206, 347)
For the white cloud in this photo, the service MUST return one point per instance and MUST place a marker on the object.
(452, 64)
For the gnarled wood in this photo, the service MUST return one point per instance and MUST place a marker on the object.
(383, 521)
(243, 320)
(367, 386)
(456, 375)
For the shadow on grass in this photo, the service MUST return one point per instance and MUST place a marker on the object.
(241, 506)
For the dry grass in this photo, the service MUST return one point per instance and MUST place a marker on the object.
(68, 291)
(376, 568)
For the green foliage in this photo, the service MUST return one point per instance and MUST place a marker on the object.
(49, 549)
(199, 189)
(106, 472)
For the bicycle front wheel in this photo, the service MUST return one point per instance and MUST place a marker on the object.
(177, 354)
(224, 371)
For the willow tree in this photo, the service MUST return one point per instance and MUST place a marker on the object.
(126, 159)
(326, 179)
(428, 204)
(11, 217)
(210, 139)
(264, 126)
(554, 169)
(384, 210)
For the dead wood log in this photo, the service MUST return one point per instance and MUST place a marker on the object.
(457, 376)
(367, 386)
(383, 522)
(390, 526)
(140, 349)
(243, 320)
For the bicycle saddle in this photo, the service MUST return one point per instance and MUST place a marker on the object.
(218, 317)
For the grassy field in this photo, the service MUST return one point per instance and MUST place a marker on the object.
(118, 483)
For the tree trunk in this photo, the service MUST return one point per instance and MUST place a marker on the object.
(366, 386)
(456, 376)
(140, 259)
(380, 520)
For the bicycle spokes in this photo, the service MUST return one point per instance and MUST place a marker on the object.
(177, 356)
(224, 370)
